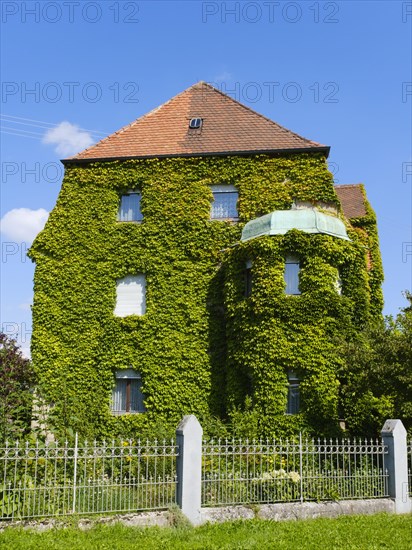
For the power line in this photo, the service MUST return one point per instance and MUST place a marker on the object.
(23, 131)
(17, 118)
(17, 134)
(42, 124)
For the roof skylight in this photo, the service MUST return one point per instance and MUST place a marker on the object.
(195, 123)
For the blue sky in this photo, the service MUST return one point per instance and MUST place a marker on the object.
(336, 72)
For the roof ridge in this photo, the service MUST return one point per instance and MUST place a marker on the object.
(155, 109)
(349, 185)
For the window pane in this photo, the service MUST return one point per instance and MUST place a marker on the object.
(127, 388)
(248, 282)
(136, 396)
(292, 278)
(129, 210)
(224, 205)
(293, 399)
(338, 283)
(119, 397)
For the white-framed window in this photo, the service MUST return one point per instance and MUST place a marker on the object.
(224, 204)
(293, 403)
(338, 283)
(292, 268)
(131, 295)
(248, 279)
(127, 396)
(129, 209)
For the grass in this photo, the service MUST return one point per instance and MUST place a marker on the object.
(346, 532)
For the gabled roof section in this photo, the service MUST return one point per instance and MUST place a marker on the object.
(352, 199)
(228, 128)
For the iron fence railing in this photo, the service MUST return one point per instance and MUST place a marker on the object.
(49, 479)
(409, 448)
(245, 472)
(40, 480)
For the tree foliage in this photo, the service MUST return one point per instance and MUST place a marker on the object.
(376, 376)
(16, 382)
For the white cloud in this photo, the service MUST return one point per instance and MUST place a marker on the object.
(23, 224)
(223, 77)
(68, 138)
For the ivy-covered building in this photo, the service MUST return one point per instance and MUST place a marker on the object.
(201, 260)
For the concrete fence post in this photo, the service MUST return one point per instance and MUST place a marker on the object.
(189, 467)
(396, 462)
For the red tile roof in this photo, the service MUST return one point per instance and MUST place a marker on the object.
(352, 200)
(228, 127)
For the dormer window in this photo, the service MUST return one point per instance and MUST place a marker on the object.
(195, 123)
(224, 205)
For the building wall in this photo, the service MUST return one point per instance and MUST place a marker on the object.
(180, 344)
(272, 334)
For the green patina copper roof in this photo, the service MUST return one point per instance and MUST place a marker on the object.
(309, 220)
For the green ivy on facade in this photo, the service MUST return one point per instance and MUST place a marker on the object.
(201, 347)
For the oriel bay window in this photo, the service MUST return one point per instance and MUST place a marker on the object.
(127, 396)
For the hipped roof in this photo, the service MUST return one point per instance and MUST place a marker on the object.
(228, 127)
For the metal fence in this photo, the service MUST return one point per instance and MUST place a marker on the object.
(409, 448)
(40, 480)
(245, 472)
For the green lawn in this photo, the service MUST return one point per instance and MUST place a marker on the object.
(350, 532)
